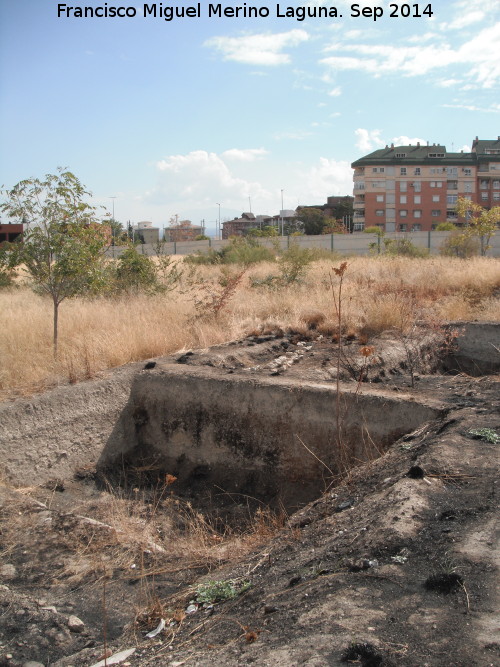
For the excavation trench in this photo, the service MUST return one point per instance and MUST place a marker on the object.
(241, 441)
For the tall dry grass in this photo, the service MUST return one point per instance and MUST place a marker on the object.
(379, 293)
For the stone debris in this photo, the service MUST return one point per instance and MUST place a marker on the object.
(75, 624)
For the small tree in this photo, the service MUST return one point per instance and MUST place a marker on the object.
(136, 272)
(312, 219)
(480, 222)
(62, 250)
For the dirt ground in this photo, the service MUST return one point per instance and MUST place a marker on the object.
(395, 564)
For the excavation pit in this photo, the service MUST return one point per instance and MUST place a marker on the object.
(242, 440)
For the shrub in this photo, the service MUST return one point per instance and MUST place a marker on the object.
(293, 263)
(244, 251)
(136, 272)
(219, 591)
(403, 247)
(445, 227)
(374, 230)
(459, 245)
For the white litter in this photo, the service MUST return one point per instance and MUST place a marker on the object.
(116, 658)
(157, 630)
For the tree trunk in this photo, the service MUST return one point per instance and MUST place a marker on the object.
(56, 315)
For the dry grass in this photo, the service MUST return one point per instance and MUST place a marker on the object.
(111, 536)
(379, 293)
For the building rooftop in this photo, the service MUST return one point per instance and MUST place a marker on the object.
(482, 150)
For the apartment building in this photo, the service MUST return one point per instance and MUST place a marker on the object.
(414, 188)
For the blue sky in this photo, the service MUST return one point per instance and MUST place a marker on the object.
(173, 117)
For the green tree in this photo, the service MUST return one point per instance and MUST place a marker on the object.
(313, 220)
(63, 248)
(445, 227)
(481, 223)
(136, 271)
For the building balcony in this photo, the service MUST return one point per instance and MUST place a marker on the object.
(358, 226)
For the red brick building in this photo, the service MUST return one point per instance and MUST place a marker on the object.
(10, 232)
(414, 188)
(184, 230)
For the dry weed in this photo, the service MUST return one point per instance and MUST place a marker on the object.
(105, 333)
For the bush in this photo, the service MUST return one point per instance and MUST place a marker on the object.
(293, 263)
(136, 272)
(374, 230)
(445, 227)
(459, 245)
(403, 248)
(244, 251)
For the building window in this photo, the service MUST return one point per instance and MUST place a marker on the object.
(417, 213)
(483, 185)
(402, 199)
(403, 227)
(496, 196)
(379, 212)
(468, 186)
(496, 185)
(436, 184)
(452, 185)
(468, 172)
(436, 154)
(435, 197)
(359, 185)
(417, 171)
(451, 199)
(438, 170)
(403, 213)
(402, 171)
(416, 227)
(417, 199)
(377, 184)
(451, 171)
(378, 170)
(451, 215)
(436, 213)
(484, 196)
(417, 186)
(403, 186)
(380, 197)
(400, 154)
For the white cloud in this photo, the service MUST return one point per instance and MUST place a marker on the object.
(479, 56)
(368, 140)
(407, 141)
(447, 83)
(261, 49)
(494, 108)
(329, 177)
(335, 92)
(245, 155)
(198, 178)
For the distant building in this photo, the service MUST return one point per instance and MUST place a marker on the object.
(413, 188)
(184, 230)
(146, 233)
(239, 226)
(10, 232)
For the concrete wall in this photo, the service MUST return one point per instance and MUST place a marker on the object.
(345, 244)
(240, 436)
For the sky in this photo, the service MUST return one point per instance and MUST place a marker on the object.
(161, 118)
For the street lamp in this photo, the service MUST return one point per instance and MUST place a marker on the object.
(282, 221)
(217, 232)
